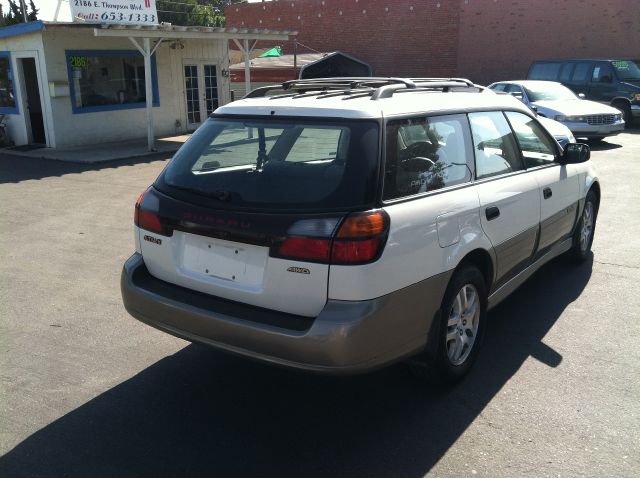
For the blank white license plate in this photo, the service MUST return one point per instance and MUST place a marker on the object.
(224, 259)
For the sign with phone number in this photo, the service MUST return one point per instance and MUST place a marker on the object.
(136, 12)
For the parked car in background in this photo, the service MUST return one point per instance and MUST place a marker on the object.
(340, 236)
(585, 119)
(560, 132)
(615, 82)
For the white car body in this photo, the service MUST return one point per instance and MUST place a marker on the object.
(360, 316)
(585, 118)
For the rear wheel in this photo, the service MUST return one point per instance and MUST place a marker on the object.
(462, 315)
(583, 235)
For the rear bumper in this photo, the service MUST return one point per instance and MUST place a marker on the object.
(346, 337)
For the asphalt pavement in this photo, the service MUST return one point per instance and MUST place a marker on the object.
(87, 391)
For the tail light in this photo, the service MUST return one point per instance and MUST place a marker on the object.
(359, 239)
(149, 220)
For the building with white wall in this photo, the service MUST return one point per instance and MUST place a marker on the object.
(74, 84)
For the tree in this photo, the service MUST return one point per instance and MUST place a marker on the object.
(14, 15)
(208, 13)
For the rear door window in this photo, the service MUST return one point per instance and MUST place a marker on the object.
(495, 147)
(276, 165)
(565, 72)
(425, 154)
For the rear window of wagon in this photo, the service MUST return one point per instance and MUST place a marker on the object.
(277, 165)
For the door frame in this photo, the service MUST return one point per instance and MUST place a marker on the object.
(199, 63)
(22, 88)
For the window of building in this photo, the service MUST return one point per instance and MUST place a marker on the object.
(495, 147)
(7, 95)
(103, 80)
(537, 148)
(425, 154)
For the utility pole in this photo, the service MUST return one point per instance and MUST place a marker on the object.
(24, 10)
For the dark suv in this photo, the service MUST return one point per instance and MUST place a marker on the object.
(612, 81)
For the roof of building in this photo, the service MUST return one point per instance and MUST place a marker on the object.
(167, 31)
(364, 103)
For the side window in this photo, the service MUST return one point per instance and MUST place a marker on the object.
(425, 154)
(498, 87)
(602, 73)
(495, 147)
(565, 72)
(580, 73)
(544, 71)
(537, 148)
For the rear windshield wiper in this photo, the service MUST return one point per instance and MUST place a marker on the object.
(220, 195)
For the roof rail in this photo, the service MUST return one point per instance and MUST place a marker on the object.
(355, 87)
(341, 83)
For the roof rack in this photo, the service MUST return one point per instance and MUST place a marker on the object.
(356, 87)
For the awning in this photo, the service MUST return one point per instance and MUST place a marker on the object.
(174, 32)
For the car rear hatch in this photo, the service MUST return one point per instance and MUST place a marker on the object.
(249, 208)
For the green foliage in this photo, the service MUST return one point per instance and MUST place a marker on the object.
(14, 15)
(208, 13)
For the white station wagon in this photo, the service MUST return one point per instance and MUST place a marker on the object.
(340, 225)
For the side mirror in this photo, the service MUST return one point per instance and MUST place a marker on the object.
(582, 96)
(575, 153)
(534, 108)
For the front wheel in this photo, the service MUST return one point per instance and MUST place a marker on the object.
(583, 235)
(625, 109)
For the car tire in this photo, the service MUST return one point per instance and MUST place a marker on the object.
(585, 229)
(625, 109)
(462, 322)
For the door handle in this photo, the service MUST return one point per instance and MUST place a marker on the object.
(547, 193)
(492, 212)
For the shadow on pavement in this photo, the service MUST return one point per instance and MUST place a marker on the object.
(14, 169)
(605, 145)
(199, 412)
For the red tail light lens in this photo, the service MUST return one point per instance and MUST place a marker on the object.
(355, 252)
(305, 248)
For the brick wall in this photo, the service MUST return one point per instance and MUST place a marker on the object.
(500, 38)
(396, 37)
(485, 40)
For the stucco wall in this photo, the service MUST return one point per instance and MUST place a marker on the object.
(107, 126)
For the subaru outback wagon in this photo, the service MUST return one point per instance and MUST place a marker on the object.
(340, 225)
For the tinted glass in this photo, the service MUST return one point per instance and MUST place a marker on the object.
(565, 72)
(548, 91)
(425, 154)
(276, 165)
(495, 147)
(602, 73)
(544, 71)
(580, 72)
(515, 90)
(627, 70)
(498, 87)
(537, 148)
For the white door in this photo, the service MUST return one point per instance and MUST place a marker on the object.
(201, 91)
(509, 197)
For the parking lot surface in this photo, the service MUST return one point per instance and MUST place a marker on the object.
(86, 390)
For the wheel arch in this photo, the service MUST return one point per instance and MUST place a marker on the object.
(484, 261)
